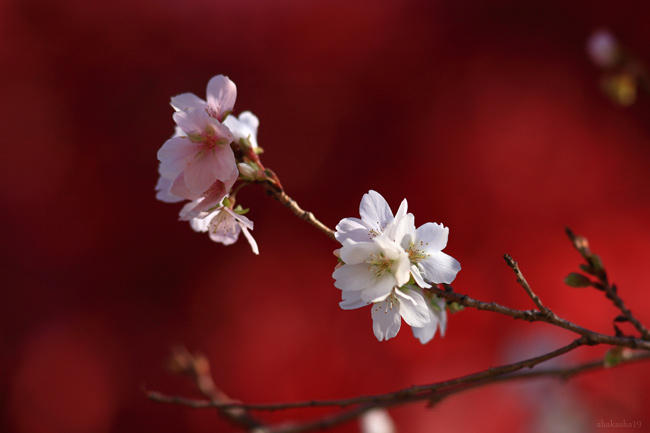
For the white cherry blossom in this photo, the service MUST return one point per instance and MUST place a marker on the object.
(376, 219)
(244, 128)
(372, 268)
(404, 303)
(437, 310)
(424, 247)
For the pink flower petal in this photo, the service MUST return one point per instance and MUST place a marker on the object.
(222, 93)
(187, 100)
(175, 155)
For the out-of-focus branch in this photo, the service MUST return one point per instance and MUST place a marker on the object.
(197, 368)
(433, 393)
(239, 413)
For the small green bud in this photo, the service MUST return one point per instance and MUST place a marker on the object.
(575, 279)
(241, 211)
(588, 269)
(226, 202)
(613, 356)
(597, 264)
(454, 307)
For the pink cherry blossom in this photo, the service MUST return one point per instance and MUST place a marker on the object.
(221, 95)
(224, 226)
(204, 155)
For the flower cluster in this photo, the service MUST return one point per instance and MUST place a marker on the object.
(387, 263)
(198, 163)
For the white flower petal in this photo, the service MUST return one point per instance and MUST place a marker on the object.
(386, 320)
(402, 230)
(380, 289)
(250, 239)
(413, 308)
(353, 229)
(440, 268)
(377, 421)
(426, 332)
(432, 236)
(351, 300)
(417, 276)
(375, 211)
(441, 315)
(401, 269)
(357, 252)
(353, 277)
(201, 223)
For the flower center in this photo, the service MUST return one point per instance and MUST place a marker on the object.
(223, 222)
(416, 255)
(379, 264)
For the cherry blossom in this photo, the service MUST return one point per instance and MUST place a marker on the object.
(376, 218)
(224, 226)
(203, 155)
(244, 128)
(437, 309)
(221, 96)
(424, 247)
(372, 268)
(403, 303)
(382, 256)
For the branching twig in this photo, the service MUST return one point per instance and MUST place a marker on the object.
(594, 266)
(522, 281)
(239, 413)
(434, 393)
(537, 316)
(198, 368)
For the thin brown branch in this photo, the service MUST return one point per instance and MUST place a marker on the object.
(197, 367)
(413, 393)
(537, 316)
(522, 281)
(279, 194)
(434, 393)
(618, 302)
(594, 266)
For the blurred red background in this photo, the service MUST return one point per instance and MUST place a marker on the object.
(486, 117)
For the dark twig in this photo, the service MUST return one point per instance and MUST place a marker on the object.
(522, 281)
(434, 393)
(414, 393)
(594, 266)
(537, 316)
(198, 368)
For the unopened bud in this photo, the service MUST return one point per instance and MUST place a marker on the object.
(597, 264)
(455, 307)
(614, 356)
(575, 279)
(247, 172)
